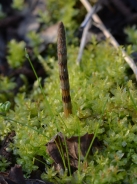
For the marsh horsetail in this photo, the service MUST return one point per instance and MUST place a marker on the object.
(63, 70)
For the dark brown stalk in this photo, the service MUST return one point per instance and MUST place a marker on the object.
(63, 70)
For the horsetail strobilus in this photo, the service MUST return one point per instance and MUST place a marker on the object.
(63, 70)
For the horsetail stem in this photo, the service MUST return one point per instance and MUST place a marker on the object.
(63, 70)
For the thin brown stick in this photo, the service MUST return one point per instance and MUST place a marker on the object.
(63, 70)
(112, 40)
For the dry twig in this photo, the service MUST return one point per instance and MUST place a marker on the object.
(108, 35)
(86, 24)
(83, 41)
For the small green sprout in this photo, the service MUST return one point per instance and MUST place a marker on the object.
(4, 107)
(3, 164)
(16, 55)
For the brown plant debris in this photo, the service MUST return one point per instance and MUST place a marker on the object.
(61, 148)
(5, 144)
(15, 176)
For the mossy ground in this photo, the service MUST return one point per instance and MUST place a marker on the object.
(104, 98)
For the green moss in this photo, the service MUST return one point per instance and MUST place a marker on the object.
(16, 53)
(99, 85)
(6, 88)
(104, 100)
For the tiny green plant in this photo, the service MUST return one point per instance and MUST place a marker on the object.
(6, 88)
(16, 60)
(3, 164)
(4, 107)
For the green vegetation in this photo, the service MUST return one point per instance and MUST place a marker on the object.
(16, 53)
(132, 37)
(104, 100)
(3, 164)
(99, 84)
(6, 88)
(18, 4)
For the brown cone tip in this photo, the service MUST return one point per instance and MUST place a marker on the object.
(61, 24)
(61, 29)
